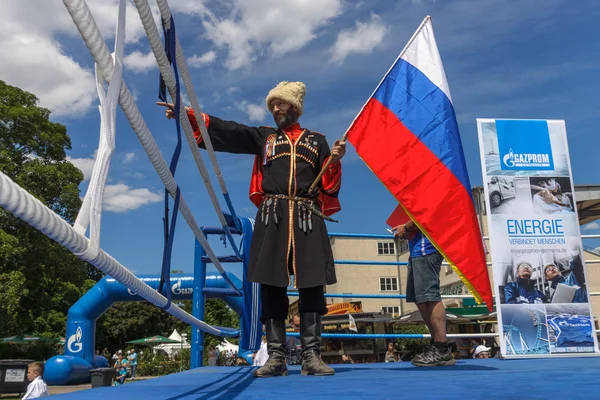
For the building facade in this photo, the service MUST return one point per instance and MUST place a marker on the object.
(391, 279)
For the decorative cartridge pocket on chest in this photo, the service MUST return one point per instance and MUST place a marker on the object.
(307, 149)
(276, 147)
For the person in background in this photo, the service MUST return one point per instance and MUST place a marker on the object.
(133, 362)
(262, 355)
(37, 388)
(212, 357)
(346, 359)
(423, 289)
(391, 352)
(121, 368)
(294, 347)
(482, 352)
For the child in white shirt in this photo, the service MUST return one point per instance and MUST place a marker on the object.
(37, 388)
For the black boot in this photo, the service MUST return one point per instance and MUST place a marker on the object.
(310, 335)
(276, 364)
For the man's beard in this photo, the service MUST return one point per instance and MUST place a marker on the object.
(286, 120)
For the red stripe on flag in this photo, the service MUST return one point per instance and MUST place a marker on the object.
(435, 198)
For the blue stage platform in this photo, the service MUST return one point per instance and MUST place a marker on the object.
(565, 378)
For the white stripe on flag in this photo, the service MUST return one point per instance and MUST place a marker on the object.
(423, 54)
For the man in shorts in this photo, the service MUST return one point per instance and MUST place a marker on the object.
(423, 288)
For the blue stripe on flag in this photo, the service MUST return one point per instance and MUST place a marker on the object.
(426, 111)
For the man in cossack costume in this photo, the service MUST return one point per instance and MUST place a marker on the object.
(290, 236)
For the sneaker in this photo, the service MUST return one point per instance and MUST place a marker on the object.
(434, 358)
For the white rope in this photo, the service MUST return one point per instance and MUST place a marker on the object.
(165, 12)
(91, 210)
(22, 204)
(90, 33)
(169, 78)
(466, 335)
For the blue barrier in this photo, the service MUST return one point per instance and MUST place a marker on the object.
(79, 356)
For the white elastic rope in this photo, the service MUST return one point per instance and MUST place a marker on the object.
(91, 210)
(22, 204)
(159, 53)
(165, 12)
(93, 39)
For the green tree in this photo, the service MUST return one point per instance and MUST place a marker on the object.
(39, 279)
(219, 314)
(129, 321)
(415, 346)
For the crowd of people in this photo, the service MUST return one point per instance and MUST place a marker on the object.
(228, 358)
(125, 365)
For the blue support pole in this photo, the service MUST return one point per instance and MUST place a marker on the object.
(198, 304)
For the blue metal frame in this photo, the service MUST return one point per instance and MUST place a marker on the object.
(250, 326)
(198, 303)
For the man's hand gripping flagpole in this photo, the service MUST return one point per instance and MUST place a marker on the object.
(338, 151)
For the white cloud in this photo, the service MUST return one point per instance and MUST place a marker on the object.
(278, 26)
(139, 62)
(204, 59)
(38, 65)
(36, 62)
(185, 100)
(85, 165)
(592, 226)
(122, 198)
(256, 112)
(361, 40)
(129, 157)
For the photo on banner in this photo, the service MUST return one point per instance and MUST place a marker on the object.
(537, 255)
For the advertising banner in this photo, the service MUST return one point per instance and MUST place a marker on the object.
(344, 308)
(538, 264)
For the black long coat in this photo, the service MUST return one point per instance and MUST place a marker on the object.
(282, 249)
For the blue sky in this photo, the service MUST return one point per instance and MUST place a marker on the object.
(503, 59)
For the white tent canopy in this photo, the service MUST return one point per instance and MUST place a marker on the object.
(173, 348)
(225, 346)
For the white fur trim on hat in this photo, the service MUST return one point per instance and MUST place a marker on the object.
(291, 92)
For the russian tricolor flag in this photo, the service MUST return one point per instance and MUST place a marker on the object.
(408, 136)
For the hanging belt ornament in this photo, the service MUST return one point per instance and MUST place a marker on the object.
(305, 208)
(268, 203)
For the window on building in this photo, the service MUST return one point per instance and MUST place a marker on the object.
(402, 246)
(385, 248)
(388, 284)
(390, 310)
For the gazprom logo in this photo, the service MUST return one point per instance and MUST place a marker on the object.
(178, 289)
(512, 160)
(524, 145)
(74, 343)
(566, 323)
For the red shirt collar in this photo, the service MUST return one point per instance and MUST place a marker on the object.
(293, 131)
